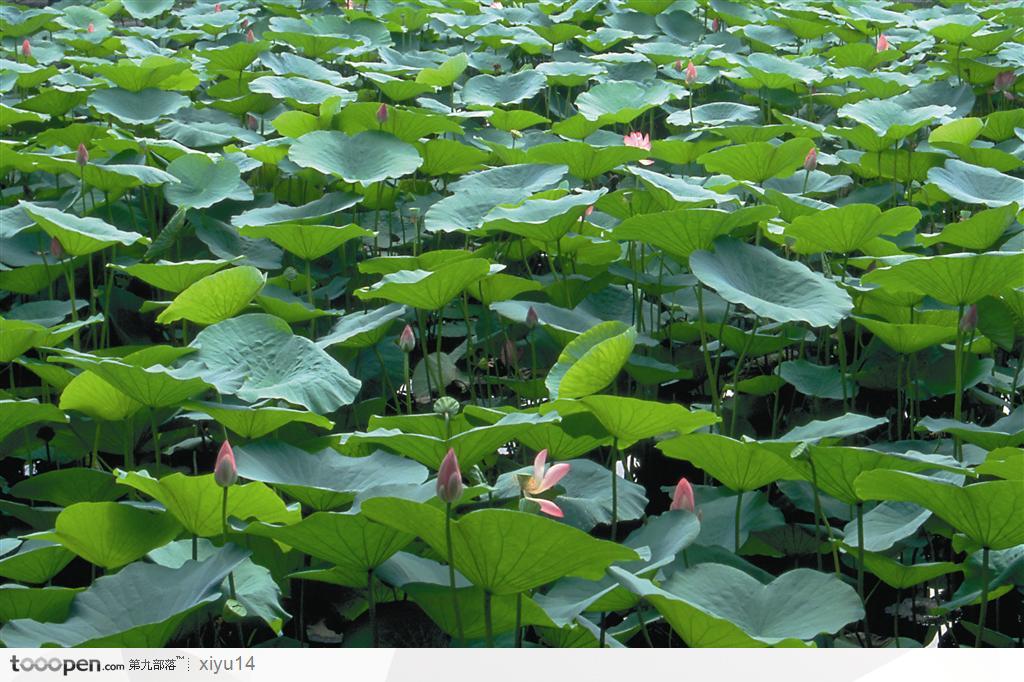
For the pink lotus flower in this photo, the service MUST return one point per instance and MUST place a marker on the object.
(691, 74)
(90, 28)
(811, 160)
(26, 48)
(640, 141)
(56, 248)
(82, 155)
(970, 319)
(382, 114)
(449, 479)
(683, 497)
(544, 479)
(225, 471)
(882, 44)
(407, 340)
(250, 37)
(678, 66)
(349, 5)
(497, 5)
(245, 23)
(216, 8)
(715, 24)
(590, 209)
(252, 122)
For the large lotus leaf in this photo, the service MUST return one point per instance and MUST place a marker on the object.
(18, 336)
(427, 290)
(133, 108)
(256, 357)
(776, 72)
(757, 161)
(407, 124)
(65, 487)
(902, 576)
(848, 424)
(150, 72)
(715, 114)
(154, 386)
(146, 9)
(713, 605)
(362, 328)
(591, 361)
(887, 524)
(512, 88)
(323, 480)
(111, 534)
(255, 587)
(308, 242)
(295, 89)
(908, 338)
(354, 544)
(985, 512)
(141, 606)
(670, 191)
(680, 232)
(313, 212)
(818, 381)
(523, 551)
(33, 561)
(446, 74)
(79, 236)
(1007, 432)
(954, 279)
(368, 157)
(1005, 463)
(173, 277)
(43, 604)
(255, 422)
(739, 466)
(772, 287)
(890, 119)
(505, 614)
(978, 232)
(622, 101)
(215, 297)
(584, 161)
(16, 414)
(543, 220)
(629, 420)
(849, 228)
(195, 501)
(203, 182)
(977, 184)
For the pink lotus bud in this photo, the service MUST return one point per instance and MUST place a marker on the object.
(449, 479)
(250, 37)
(1004, 81)
(252, 122)
(26, 49)
(56, 248)
(531, 317)
(811, 160)
(90, 28)
(678, 66)
(216, 8)
(691, 74)
(715, 24)
(349, 5)
(225, 471)
(82, 155)
(245, 23)
(382, 114)
(970, 319)
(407, 340)
(590, 209)
(683, 497)
(496, 5)
(882, 44)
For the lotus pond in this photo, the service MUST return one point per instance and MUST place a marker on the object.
(569, 323)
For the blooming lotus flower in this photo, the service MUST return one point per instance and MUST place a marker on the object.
(407, 340)
(882, 44)
(691, 74)
(382, 114)
(56, 248)
(970, 319)
(640, 141)
(449, 479)
(531, 317)
(26, 48)
(811, 160)
(90, 28)
(225, 471)
(82, 155)
(683, 497)
(543, 479)
(250, 37)
(497, 5)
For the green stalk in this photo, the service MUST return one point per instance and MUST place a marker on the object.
(860, 568)
(156, 435)
(739, 510)
(712, 379)
(958, 365)
(519, 620)
(408, 383)
(615, 488)
(372, 608)
(451, 577)
(984, 599)
(488, 625)
(440, 338)
(69, 277)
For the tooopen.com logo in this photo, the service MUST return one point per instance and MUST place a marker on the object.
(65, 665)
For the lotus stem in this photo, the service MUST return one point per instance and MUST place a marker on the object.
(958, 370)
(519, 620)
(488, 625)
(451, 576)
(739, 511)
(712, 378)
(371, 602)
(615, 488)
(983, 611)
(156, 435)
(408, 383)
(860, 569)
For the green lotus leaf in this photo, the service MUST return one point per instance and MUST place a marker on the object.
(525, 551)
(486, 91)
(683, 231)
(446, 74)
(954, 279)
(715, 114)
(908, 338)
(153, 386)
(173, 277)
(65, 487)
(544, 220)
(204, 182)
(629, 420)
(712, 605)
(739, 466)
(981, 510)
(427, 290)
(977, 184)
(34, 561)
(591, 361)
(255, 422)
(44, 604)
(362, 329)
(818, 381)
(16, 337)
(1007, 432)
(137, 108)
(584, 161)
(757, 161)
(366, 158)
(141, 606)
(1005, 463)
(849, 228)
(979, 232)
(313, 212)
(891, 120)
(215, 297)
(406, 123)
(21, 413)
(298, 90)
(848, 424)
(147, 9)
(901, 576)
(137, 75)
(308, 242)
(771, 286)
(622, 101)
(79, 236)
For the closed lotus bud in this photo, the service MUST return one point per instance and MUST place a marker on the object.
(715, 24)
(590, 209)
(26, 48)
(678, 66)
(216, 8)
(225, 472)
(245, 23)
(682, 497)
(882, 44)
(407, 340)
(290, 274)
(449, 479)
(811, 160)
(531, 317)
(447, 407)
(970, 319)
(250, 37)
(56, 248)
(251, 120)
(691, 74)
(382, 114)
(91, 28)
(1004, 81)
(82, 155)
(349, 5)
